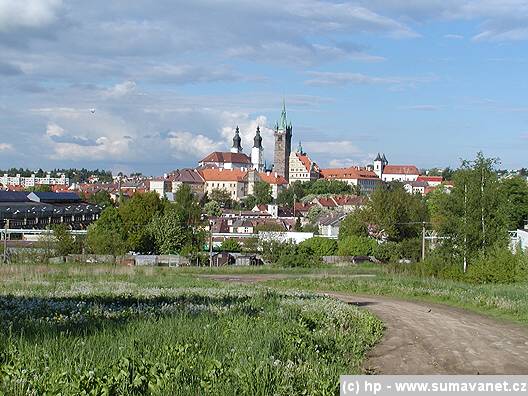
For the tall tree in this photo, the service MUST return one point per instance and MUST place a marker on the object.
(397, 212)
(221, 196)
(474, 212)
(263, 193)
(107, 235)
(137, 212)
(515, 192)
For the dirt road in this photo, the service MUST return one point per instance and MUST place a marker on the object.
(423, 338)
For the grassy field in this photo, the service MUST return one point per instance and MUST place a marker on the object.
(116, 330)
(504, 301)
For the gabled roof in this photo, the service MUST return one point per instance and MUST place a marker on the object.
(273, 178)
(221, 174)
(307, 162)
(185, 176)
(401, 170)
(418, 184)
(348, 173)
(227, 157)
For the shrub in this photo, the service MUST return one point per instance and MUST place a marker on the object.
(388, 251)
(498, 265)
(411, 249)
(356, 246)
(298, 260)
(320, 246)
(230, 245)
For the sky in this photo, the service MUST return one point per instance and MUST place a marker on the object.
(427, 82)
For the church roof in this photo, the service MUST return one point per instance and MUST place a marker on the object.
(227, 157)
(401, 170)
(221, 174)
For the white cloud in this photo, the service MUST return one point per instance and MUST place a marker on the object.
(27, 13)
(340, 79)
(54, 130)
(453, 36)
(120, 90)
(186, 143)
(6, 146)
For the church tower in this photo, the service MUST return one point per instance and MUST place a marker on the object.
(257, 156)
(283, 136)
(237, 147)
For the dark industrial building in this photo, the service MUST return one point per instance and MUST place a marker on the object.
(38, 210)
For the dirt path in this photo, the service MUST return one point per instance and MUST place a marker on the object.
(424, 338)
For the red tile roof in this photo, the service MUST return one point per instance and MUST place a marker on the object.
(227, 157)
(401, 170)
(438, 179)
(307, 162)
(348, 173)
(273, 178)
(220, 174)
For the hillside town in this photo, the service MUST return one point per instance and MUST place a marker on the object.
(234, 176)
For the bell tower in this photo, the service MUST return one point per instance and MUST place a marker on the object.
(283, 137)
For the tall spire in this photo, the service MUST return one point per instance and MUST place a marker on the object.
(283, 123)
(257, 141)
(299, 148)
(237, 147)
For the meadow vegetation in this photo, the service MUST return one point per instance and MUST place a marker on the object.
(128, 331)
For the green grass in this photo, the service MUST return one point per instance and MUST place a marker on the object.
(505, 301)
(117, 330)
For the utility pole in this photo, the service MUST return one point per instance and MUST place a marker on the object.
(423, 241)
(210, 243)
(6, 225)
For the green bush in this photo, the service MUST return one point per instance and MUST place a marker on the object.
(298, 260)
(388, 251)
(411, 249)
(230, 245)
(320, 246)
(498, 265)
(357, 246)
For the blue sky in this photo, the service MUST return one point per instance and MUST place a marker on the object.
(426, 82)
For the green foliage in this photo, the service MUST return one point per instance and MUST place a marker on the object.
(230, 245)
(107, 235)
(357, 246)
(498, 265)
(389, 251)
(354, 225)
(40, 188)
(65, 242)
(101, 198)
(396, 212)
(169, 231)
(411, 249)
(221, 196)
(314, 213)
(515, 192)
(187, 206)
(251, 245)
(269, 226)
(473, 214)
(136, 214)
(298, 225)
(320, 246)
(213, 209)
(300, 190)
(288, 255)
(262, 193)
(126, 344)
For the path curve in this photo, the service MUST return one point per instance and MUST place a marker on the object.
(426, 338)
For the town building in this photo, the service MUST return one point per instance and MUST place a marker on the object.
(302, 168)
(365, 179)
(33, 181)
(389, 173)
(234, 181)
(39, 210)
